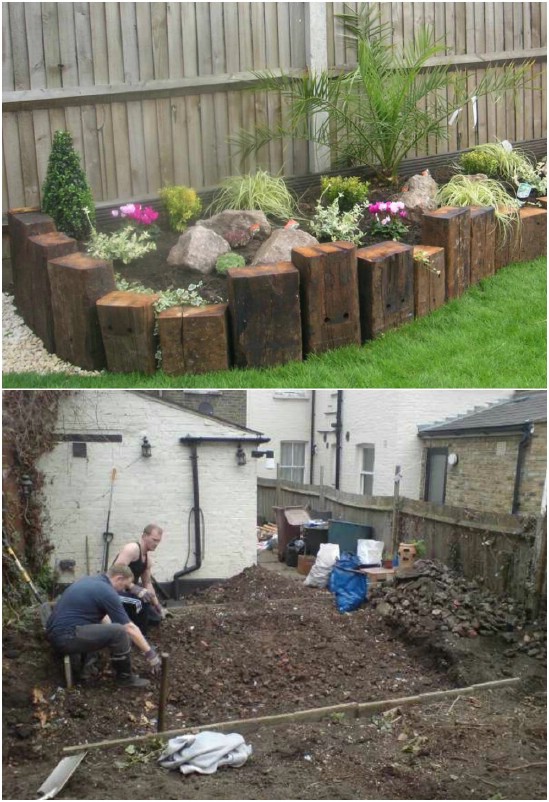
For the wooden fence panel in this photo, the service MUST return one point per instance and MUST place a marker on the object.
(135, 83)
(497, 549)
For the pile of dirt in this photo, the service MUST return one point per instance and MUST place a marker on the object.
(431, 597)
(262, 644)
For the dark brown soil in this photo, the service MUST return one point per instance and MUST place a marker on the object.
(154, 272)
(263, 644)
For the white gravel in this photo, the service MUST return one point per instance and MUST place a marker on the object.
(23, 351)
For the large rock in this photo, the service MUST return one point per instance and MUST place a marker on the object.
(278, 248)
(419, 195)
(238, 226)
(198, 248)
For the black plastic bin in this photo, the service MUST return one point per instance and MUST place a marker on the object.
(313, 537)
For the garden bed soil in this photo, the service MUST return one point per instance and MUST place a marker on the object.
(263, 644)
(153, 270)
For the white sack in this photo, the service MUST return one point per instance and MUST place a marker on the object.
(319, 574)
(369, 551)
(205, 752)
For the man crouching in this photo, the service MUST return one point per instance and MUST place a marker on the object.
(75, 625)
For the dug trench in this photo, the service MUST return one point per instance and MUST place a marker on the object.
(263, 644)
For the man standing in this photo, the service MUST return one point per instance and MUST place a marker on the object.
(75, 625)
(140, 600)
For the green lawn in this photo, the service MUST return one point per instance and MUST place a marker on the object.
(494, 336)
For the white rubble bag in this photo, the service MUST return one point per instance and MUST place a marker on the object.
(369, 551)
(319, 574)
(205, 752)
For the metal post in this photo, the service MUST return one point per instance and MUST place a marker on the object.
(396, 500)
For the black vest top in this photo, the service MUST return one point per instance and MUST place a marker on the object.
(138, 566)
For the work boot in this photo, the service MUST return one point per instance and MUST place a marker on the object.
(124, 674)
(131, 681)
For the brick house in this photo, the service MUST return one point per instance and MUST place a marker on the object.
(193, 460)
(494, 458)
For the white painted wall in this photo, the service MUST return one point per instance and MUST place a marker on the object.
(282, 415)
(156, 490)
(386, 418)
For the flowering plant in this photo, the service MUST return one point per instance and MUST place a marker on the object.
(386, 219)
(143, 216)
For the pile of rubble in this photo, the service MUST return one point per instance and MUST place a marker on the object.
(432, 597)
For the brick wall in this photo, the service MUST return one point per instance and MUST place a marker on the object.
(229, 405)
(484, 477)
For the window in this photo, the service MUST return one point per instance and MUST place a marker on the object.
(292, 461)
(367, 470)
(435, 475)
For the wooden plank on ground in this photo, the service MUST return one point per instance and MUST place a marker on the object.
(127, 327)
(77, 282)
(265, 314)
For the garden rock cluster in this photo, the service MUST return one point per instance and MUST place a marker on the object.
(436, 598)
(199, 249)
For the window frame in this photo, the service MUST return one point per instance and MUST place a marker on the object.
(284, 468)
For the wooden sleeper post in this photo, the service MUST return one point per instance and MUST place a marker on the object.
(385, 287)
(533, 233)
(40, 250)
(329, 295)
(22, 225)
(265, 314)
(429, 278)
(483, 243)
(77, 281)
(194, 339)
(450, 228)
(127, 327)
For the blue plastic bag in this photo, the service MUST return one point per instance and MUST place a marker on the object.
(349, 587)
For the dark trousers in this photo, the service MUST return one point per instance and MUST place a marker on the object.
(92, 638)
(138, 611)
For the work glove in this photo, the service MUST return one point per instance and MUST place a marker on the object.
(153, 660)
(144, 595)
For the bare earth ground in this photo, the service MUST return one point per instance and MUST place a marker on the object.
(264, 644)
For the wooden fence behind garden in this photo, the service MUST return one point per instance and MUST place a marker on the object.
(497, 549)
(152, 91)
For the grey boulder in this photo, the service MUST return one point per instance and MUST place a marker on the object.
(278, 248)
(419, 196)
(198, 248)
(238, 226)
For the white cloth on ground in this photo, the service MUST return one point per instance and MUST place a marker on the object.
(205, 752)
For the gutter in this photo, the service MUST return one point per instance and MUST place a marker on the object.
(338, 428)
(313, 406)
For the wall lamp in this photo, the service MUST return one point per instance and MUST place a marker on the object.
(146, 448)
(240, 455)
(26, 485)
(269, 458)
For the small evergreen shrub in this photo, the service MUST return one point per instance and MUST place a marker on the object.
(66, 193)
(182, 204)
(348, 191)
(228, 260)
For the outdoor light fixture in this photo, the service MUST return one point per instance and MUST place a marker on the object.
(452, 459)
(146, 448)
(240, 456)
(26, 485)
(269, 458)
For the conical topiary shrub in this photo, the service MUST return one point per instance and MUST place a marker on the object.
(66, 191)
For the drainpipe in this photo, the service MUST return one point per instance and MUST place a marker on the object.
(193, 443)
(313, 404)
(527, 432)
(338, 428)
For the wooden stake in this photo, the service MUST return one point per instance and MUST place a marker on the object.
(352, 710)
(161, 724)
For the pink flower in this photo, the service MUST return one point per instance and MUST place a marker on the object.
(373, 208)
(393, 208)
(127, 210)
(403, 213)
(382, 207)
(386, 220)
(115, 212)
(401, 205)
